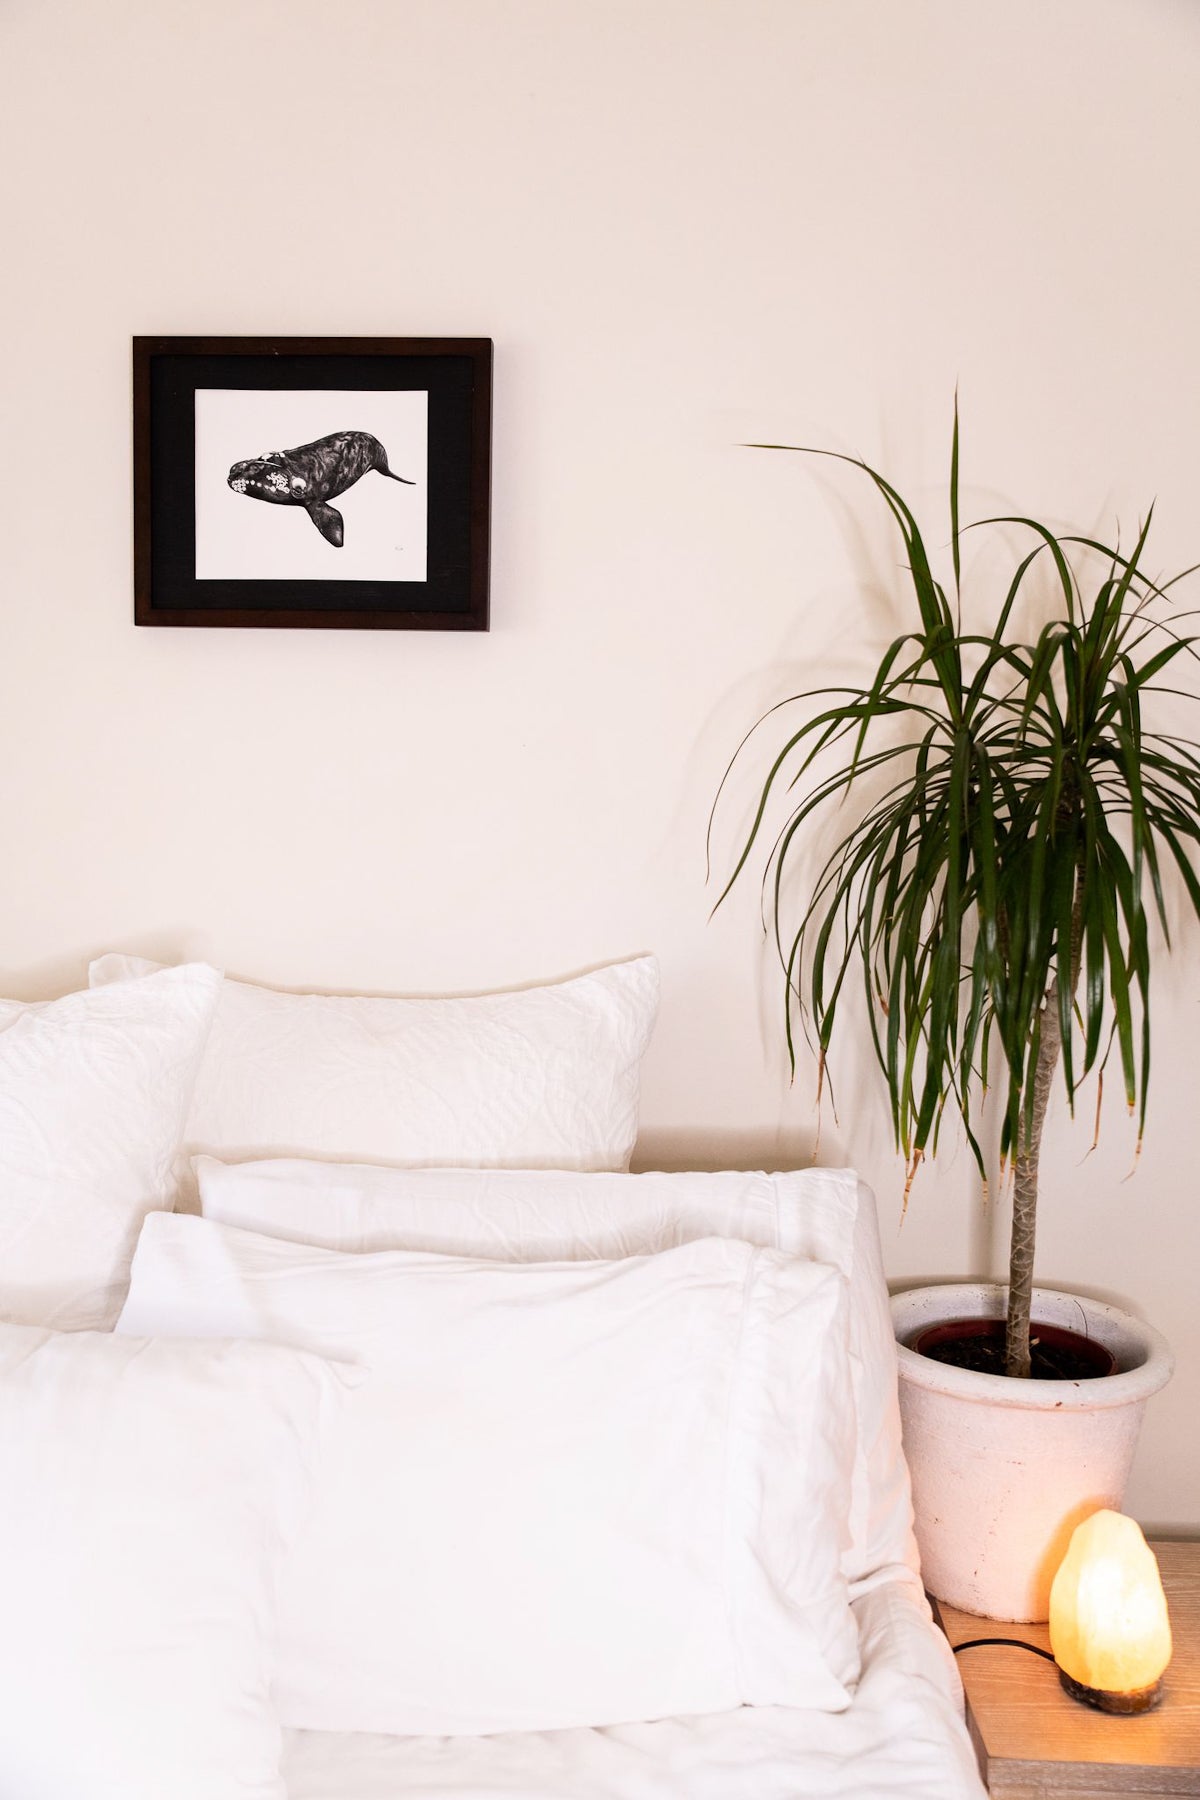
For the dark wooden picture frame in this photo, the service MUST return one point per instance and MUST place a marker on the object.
(413, 557)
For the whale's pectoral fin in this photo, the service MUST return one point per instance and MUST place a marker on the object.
(328, 521)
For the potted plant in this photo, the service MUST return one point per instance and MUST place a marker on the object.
(1004, 816)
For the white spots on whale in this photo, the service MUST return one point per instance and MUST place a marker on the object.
(273, 486)
(299, 483)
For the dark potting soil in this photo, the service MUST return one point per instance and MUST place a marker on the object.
(1050, 1362)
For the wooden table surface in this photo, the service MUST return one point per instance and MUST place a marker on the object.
(1035, 1743)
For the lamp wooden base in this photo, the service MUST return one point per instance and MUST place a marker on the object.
(1139, 1700)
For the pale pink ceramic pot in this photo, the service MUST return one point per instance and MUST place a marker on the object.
(1003, 1470)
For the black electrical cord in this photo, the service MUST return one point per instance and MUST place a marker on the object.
(1014, 1643)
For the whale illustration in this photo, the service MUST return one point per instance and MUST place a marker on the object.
(314, 474)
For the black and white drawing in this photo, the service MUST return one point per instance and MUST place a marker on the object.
(366, 451)
(314, 474)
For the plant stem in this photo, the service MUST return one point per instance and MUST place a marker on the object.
(1025, 1168)
(1025, 1195)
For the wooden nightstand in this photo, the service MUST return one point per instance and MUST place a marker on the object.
(1034, 1743)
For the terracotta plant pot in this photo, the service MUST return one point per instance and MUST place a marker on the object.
(1003, 1470)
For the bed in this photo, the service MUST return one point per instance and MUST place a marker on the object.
(902, 1739)
(579, 1483)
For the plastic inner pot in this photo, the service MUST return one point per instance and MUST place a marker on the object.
(1094, 1359)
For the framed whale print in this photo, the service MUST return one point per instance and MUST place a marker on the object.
(330, 483)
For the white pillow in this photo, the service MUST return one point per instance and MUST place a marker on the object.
(827, 1214)
(544, 1078)
(573, 1494)
(147, 1493)
(94, 1090)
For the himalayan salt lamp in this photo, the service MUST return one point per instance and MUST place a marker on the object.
(1108, 1617)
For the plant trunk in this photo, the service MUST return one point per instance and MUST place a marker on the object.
(1025, 1168)
(1025, 1195)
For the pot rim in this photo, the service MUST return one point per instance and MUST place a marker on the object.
(1121, 1331)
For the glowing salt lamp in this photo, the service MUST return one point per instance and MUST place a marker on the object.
(1109, 1629)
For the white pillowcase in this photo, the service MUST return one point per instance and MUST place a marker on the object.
(147, 1493)
(545, 1078)
(573, 1493)
(94, 1090)
(826, 1214)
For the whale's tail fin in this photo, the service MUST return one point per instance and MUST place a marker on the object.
(380, 461)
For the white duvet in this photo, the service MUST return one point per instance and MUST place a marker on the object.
(903, 1738)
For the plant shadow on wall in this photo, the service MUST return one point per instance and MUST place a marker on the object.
(1009, 810)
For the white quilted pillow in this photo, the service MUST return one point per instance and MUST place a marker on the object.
(94, 1091)
(544, 1078)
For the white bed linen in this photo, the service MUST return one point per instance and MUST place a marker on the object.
(573, 1492)
(903, 1738)
(548, 1216)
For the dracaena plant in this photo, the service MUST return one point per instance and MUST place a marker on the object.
(1012, 815)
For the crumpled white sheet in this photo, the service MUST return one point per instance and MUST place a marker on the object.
(903, 1738)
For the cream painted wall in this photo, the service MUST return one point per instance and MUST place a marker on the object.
(685, 223)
